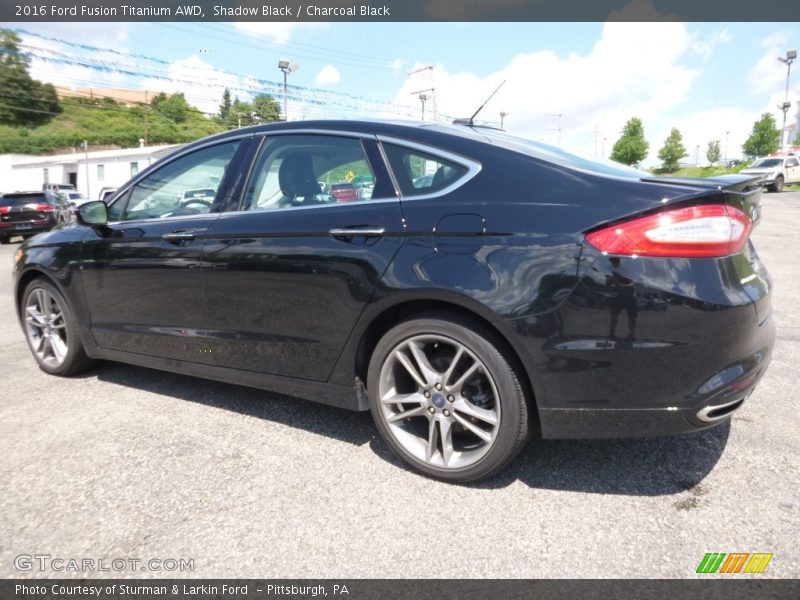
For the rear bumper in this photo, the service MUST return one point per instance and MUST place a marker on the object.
(607, 365)
(12, 228)
(596, 423)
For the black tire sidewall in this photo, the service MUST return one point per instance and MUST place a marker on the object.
(513, 430)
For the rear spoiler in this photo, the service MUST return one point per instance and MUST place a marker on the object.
(728, 183)
(743, 191)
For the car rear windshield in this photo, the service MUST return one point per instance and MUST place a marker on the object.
(16, 199)
(559, 156)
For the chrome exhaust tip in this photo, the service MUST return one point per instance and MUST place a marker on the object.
(717, 412)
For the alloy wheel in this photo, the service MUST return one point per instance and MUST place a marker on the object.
(46, 327)
(439, 401)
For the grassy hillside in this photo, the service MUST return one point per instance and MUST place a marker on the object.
(104, 122)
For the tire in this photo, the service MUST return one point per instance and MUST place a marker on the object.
(5, 240)
(778, 185)
(51, 330)
(467, 429)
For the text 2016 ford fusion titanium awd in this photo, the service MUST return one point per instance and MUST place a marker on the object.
(485, 288)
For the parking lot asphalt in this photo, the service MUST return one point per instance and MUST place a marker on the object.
(125, 462)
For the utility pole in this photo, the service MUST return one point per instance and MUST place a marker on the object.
(603, 148)
(697, 156)
(146, 113)
(559, 115)
(432, 89)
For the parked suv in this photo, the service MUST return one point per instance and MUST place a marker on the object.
(27, 213)
(775, 171)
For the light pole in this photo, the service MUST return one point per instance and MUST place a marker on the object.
(790, 56)
(503, 115)
(86, 159)
(727, 133)
(603, 148)
(422, 99)
(286, 67)
(697, 156)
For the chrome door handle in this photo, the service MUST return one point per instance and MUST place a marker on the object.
(347, 232)
(179, 236)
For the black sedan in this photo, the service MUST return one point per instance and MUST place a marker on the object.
(27, 213)
(488, 288)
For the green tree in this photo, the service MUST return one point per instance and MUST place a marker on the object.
(764, 139)
(713, 153)
(266, 109)
(672, 151)
(631, 148)
(174, 107)
(241, 114)
(25, 101)
(225, 106)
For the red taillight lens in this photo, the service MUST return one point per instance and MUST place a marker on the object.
(43, 207)
(696, 232)
(4, 210)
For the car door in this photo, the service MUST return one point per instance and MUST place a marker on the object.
(792, 170)
(141, 275)
(288, 274)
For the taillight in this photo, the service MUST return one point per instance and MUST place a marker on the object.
(695, 232)
(4, 210)
(44, 207)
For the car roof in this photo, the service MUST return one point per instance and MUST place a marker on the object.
(447, 136)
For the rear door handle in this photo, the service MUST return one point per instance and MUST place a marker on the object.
(179, 236)
(351, 232)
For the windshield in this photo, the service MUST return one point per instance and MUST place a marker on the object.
(16, 199)
(768, 162)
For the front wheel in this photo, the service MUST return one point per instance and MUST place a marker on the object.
(51, 330)
(778, 185)
(445, 398)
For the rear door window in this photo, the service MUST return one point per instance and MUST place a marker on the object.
(419, 173)
(295, 171)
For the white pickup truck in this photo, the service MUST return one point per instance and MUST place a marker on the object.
(775, 171)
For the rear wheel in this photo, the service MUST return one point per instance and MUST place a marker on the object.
(446, 400)
(51, 330)
(5, 240)
(778, 185)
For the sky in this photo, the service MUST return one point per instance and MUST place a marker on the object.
(570, 83)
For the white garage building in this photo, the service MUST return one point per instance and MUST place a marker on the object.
(88, 172)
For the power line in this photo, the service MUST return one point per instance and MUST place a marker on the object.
(299, 93)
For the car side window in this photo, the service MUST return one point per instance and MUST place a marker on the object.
(419, 173)
(308, 170)
(184, 186)
(792, 162)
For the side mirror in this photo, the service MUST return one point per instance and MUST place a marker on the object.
(93, 214)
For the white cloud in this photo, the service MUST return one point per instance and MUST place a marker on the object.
(769, 74)
(634, 69)
(278, 33)
(704, 47)
(51, 57)
(206, 93)
(328, 76)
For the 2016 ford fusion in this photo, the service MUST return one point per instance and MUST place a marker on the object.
(484, 289)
